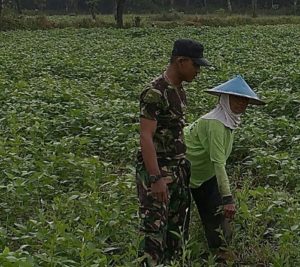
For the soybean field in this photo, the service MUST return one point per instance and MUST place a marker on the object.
(69, 113)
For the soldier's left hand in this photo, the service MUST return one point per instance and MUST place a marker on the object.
(159, 190)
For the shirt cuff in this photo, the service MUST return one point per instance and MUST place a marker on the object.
(227, 200)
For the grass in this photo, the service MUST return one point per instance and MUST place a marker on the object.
(164, 20)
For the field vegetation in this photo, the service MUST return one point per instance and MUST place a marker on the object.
(161, 20)
(33, 14)
(69, 134)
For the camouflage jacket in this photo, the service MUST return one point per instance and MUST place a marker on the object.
(167, 105)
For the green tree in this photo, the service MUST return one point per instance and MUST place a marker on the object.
(40, 4)
(71, 5)
(254, 8)
(1, 7)
(205, 6)
(120, 5)
(229, 6)
(92, 5)
(295, 7)
(18, 6)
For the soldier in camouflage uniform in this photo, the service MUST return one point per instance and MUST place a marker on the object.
(162, 169)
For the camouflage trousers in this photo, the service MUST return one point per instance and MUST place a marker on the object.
(164, 226)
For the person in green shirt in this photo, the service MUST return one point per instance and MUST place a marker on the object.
(209, 143)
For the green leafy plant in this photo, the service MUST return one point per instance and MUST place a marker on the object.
(69, 134)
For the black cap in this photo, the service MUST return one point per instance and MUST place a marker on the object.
(192, 49)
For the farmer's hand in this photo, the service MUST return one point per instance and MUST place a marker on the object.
(159, 190)
(229, 211)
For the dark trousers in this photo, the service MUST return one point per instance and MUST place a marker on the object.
(209, 203)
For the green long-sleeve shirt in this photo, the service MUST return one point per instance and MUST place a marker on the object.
(209, 144)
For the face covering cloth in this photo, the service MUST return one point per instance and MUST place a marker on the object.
(223, 113)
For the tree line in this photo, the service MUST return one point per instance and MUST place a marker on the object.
(118, 7)
(108, 6)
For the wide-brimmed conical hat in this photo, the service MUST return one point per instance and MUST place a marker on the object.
(237, 86)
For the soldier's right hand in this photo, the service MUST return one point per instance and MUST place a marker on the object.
(159, 190)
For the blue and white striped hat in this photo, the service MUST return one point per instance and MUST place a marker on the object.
(237, 86)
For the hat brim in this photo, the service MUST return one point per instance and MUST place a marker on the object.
(201, 62)
(252, 101)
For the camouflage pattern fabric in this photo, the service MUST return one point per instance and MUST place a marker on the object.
(167, 105)
(164, 226)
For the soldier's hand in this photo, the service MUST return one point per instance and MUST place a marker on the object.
(159, 190)
(229, 211)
